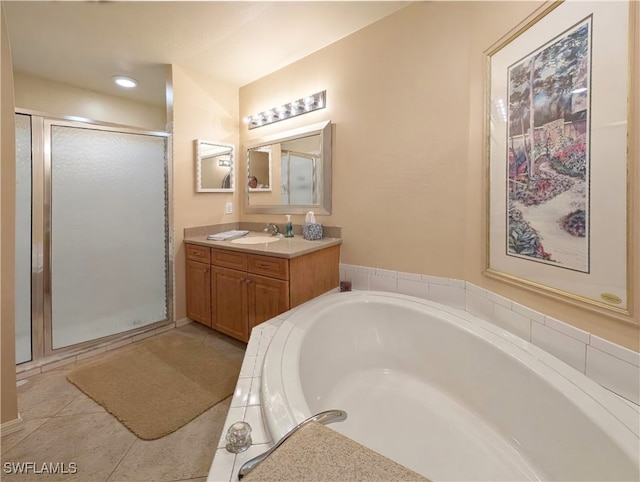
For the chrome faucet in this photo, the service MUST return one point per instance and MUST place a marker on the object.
(273, 229)
(324, 418)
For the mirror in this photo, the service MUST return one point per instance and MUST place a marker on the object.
(214, 167)
(290, 172)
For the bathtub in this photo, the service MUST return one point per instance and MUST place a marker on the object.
(445, 393)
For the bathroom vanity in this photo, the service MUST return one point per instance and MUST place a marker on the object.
(232, 287)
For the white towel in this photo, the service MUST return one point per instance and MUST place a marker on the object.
(227, 235)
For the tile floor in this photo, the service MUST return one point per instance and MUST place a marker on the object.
(62, 424)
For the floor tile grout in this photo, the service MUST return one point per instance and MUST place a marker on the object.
(120, 461)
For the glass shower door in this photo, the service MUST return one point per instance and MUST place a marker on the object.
(107, 232)
(23, 238)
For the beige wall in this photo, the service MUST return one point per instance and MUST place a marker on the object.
(407, 98)
(62, 100)
(202, 109)
(9, 401)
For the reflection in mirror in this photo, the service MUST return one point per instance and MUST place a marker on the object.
(297, 166)
(214, 167)
(259, 169)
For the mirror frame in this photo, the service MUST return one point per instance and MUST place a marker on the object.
(324, 191)
(198, 149)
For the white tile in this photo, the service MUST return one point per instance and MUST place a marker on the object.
(476, 289)
(512, 321)
(282, 317)
(360, 280)
(365, 270)
(254, 394)
(257, 370)
(268, 330)
(259, 433)
(256, 332)
(222, 467)
(412, 287)
(564, 347)
(568, 330)
(478, 305)
(241, 393)
(252, 346)
(528, 312)
(264, 344)
(383, 283)
(248, 364)
(458, 283)
(618, 376)
(386, 272)
(618, 351)
(409, 276)
(447, 295)
(499, 300)
(436, 280)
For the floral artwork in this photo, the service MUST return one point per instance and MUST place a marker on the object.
(548, 152)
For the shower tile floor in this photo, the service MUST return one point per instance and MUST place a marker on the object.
(62, 424)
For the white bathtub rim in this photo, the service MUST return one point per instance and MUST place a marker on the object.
(609, 412)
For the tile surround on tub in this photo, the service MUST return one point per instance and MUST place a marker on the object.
(612, 366)
(570, 344)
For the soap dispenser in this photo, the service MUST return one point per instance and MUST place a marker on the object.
(288, 232)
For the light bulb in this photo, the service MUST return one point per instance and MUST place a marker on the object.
(126, 82)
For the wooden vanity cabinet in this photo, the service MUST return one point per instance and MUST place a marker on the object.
(247, 289)
(198, 281)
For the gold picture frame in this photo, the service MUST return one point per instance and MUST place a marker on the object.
(559, 154)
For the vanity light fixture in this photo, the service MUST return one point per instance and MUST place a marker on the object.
(286, 111)
(126, 82)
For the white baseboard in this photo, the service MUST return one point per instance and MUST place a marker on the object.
(11, 426)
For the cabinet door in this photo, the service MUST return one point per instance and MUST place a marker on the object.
(229, 302)
(199, 292)
(268, 297)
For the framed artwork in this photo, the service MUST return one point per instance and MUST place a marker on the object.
(558, 153)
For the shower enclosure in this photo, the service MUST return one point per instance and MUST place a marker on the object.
(298, 175)
(91, 233)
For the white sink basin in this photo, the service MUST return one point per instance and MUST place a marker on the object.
(255, 240)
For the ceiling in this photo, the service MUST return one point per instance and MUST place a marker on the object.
(86, 43)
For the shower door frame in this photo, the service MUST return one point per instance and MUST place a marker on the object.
(41, 214)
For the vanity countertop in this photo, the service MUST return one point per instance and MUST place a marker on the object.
(284, 248)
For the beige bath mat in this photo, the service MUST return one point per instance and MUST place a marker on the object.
(157, 386)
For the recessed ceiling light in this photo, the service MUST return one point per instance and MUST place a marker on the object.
(126, 82)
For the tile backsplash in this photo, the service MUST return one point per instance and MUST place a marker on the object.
(613, 366)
